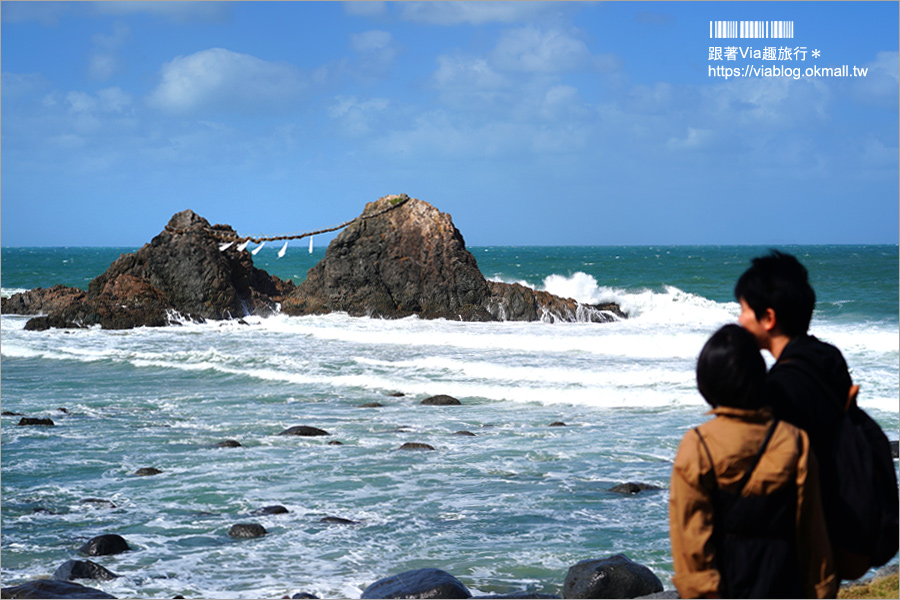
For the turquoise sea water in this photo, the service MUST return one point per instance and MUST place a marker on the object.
(507, 509)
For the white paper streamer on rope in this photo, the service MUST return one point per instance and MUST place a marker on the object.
(225, 246)
(257, 249)
(242, 246)
(310, 244)
(283, 250)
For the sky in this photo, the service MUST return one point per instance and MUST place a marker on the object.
(530, 123)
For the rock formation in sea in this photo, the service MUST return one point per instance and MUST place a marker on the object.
(180, 274)
(411, 260)
(400, 257)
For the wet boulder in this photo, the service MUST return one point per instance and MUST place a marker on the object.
(27, 421)
(416, 446)
(104, 545)
(147, 472)
(247, 530)
(614, 577)
(632, 487)
(304, 431)
(82, 569)
(49, 588)
(275, 509)
(440, 400)
(420, 583)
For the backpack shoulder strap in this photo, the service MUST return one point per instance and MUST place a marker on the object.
(753, 463)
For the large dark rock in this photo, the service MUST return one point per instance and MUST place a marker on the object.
(82, 569)
(49, 588)
(614, 577)
(103, 545)
(421, 583)
(403, 257)
(632, 487)
(304, 431)
(440, 400)
(180, 274)
(247, 530)
(26, 421)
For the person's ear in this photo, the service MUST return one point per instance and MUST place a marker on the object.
(768, 320)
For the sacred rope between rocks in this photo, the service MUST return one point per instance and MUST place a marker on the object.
(226, 236)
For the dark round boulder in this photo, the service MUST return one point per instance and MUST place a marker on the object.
(395, 394)
(614, 577)
(440, 400)
(275, 509)
(632, 488)
(371, 405)
(9, 413)
(557, 424)
(416, 446)
(229, 444)
(421, 583)
(104, 545)
(467, 433)
(82, 569)
(338, 521)
(24, 421)
(147, 472)
(305, 596)
(305, 431)
(247, 530)
(49, 588)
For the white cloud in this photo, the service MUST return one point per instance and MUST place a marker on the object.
(105, 61)
(532, 50)
(474, 13)
(370, 41)
(354, 117)
(467, 81)
(221, 80)
(880, 85)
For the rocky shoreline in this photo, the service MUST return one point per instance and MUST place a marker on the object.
(605, 577)
(400, 257)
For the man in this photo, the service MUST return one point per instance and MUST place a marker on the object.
(809, 385)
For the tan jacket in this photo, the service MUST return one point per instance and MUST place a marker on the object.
(734, 437)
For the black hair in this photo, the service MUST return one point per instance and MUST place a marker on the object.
(778, 281)
(731, 370)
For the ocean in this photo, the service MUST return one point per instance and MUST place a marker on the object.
(507, 509)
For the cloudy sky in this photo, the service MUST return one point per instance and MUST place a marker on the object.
(531, 123)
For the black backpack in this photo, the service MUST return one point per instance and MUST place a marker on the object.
(868, 499)
(755, 537)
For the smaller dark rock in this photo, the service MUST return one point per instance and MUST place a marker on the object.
(99, 502)
(147, 472)
(305, 431)
(9, 413)
(670, 595)
(421, 583)
(440, 400)
(49, 588)
(275, 509)
(371, 405)
(632, 488)
(557, 424)
(614, 577)
(338, 521)
(894, 448)
(63, 410)
(395, 394)
(335, 443)
(247, 530)
(82, 569)
(104, 545)
(35, 421)
(416, 446)
(229, 444)
(305, 596)
(468, 433)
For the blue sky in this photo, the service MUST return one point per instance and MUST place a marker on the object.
(531, 123)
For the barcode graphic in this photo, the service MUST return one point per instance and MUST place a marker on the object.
(751, 29)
